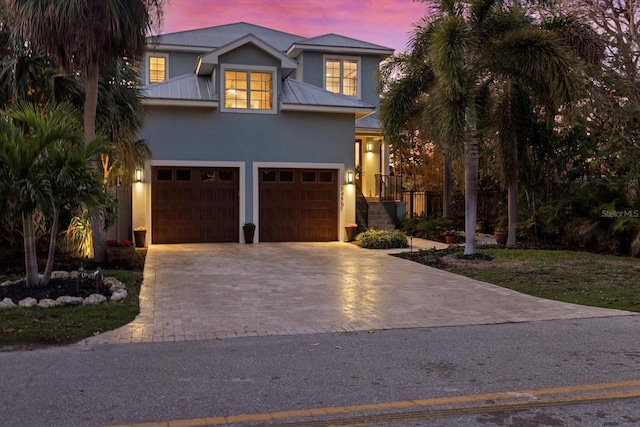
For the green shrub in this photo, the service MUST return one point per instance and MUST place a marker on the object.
(381, 239)
(427, 228)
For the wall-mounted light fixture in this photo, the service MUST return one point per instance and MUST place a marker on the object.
(138, 175)
(369, 147)
(349, 177)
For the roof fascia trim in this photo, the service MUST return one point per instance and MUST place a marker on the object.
(170, 102)
(359, 112)
(211, 58)
(177, 48)
(297, 49)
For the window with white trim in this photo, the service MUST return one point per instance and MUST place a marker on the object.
(342, 75)
(157, 69)
(249, 90)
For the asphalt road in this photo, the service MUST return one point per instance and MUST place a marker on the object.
(454, 376)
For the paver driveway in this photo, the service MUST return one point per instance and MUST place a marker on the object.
(207, 291)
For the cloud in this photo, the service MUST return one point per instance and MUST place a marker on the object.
(383, 22)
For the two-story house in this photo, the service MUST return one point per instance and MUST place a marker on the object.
(248, 124)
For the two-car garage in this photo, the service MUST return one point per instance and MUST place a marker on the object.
(202, 205)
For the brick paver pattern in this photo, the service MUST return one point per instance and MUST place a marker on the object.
(208, 291)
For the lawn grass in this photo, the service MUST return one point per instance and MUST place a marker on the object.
(576, 277)
(62, 325)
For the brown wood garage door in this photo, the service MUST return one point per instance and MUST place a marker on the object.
(298, 205)
(195, 205)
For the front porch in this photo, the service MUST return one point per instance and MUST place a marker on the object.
(379, 202)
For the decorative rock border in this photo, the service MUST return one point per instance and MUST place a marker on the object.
(117, 288)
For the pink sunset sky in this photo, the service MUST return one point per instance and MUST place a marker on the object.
(384, 22)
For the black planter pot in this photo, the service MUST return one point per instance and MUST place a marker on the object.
(249, 231)
(140, 237)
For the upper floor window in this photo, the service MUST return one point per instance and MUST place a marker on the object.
(342, 75)
(249, 89)
(157, 69)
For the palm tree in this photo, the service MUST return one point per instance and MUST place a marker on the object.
(120, 117)
(82, 36)
(73, 184)
(26, 135)
(467, 53)
(28, 75)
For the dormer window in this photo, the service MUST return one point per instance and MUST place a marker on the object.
(157, 68)
(249, 89)
(342, 75)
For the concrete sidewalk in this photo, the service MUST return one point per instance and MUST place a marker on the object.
(209, 291)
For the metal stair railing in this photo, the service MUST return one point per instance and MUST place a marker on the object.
(362, 208)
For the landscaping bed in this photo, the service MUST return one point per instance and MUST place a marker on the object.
(35, 326)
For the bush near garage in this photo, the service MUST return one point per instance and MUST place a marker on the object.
(381, 239)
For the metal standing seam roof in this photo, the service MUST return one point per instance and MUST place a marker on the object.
(336, 40)
(294, 92)
(299, 93)
(370, 123)
(214, 37)
(189, 87)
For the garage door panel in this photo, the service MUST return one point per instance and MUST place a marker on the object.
(202, 207)
(300, 208)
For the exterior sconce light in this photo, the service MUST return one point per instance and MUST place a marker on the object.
(349, 177)
(138, 175)
(369, 147)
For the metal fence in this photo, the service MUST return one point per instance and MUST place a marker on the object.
(429, 203)
(389, 187)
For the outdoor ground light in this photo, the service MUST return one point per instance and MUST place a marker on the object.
(138, 175)
(349, 177)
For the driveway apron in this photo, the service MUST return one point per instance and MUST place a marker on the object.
(208, 291)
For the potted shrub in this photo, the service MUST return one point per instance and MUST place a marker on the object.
(449, 236)
(120, 253)
(351, 230)
(249, 230)
(139, 236)
(501, 236)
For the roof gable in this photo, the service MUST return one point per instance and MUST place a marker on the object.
(338, 44)
(206, 63)
(214, 37)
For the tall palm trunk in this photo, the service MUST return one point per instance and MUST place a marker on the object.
(512, 206)
(446, 185)
(30, 259)
(89, 118)
(46, 277)
(471, 181)
(471, 193)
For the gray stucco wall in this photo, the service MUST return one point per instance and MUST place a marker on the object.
(199, 134)
(313, 73)
(251, 56)
(180, 63)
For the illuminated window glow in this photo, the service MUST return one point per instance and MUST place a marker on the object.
(341, 76)
(252, 90)
(157, 69)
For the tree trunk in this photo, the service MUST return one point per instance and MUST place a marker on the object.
(512, 210)
(46, 277)
(471, 193)
(30, 258)
(512, 194)
(446, 185)
(89, 118)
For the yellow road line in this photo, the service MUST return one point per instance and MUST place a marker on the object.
(504, 401)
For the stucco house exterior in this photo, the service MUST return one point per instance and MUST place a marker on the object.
(249, 124)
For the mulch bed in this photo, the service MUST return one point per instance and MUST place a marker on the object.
(13, 264)
(56, 288)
